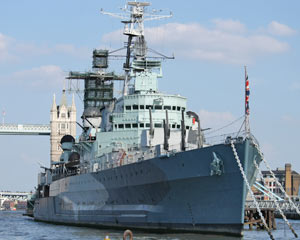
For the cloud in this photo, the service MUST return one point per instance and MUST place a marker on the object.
(280, 29)
(295, 86)
(5, 43)
(72, 50)
(221, 124)
(12, 50)
(230, 25)
(270, 153)
(290, 120)
(43, 76)
(227, 41)
(215, 119)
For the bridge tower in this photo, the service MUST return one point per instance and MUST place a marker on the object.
(62, 122)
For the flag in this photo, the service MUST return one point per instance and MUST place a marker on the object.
(247, 94)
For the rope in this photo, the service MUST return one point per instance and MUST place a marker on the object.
(229, 124)
(249, 189)
(275, 201)
(276, 180)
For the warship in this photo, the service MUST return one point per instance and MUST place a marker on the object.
(142, 160)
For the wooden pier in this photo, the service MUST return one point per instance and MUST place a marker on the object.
(253, 219)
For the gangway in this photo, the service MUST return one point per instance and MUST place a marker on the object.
(265, 191)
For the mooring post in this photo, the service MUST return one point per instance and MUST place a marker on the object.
(274, 222)
(250, 220)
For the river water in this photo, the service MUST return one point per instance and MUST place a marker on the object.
(14, 226)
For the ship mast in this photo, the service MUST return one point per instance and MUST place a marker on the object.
(247, 111)
(133, 18)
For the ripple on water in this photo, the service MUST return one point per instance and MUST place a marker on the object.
(14, 226)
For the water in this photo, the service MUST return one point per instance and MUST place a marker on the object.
(13, 226)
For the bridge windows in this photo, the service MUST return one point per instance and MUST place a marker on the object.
(145, 125)
(155, 107)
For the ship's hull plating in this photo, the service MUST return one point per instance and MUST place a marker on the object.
(175, 193)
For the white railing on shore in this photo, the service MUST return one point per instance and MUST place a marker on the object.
(284, 205)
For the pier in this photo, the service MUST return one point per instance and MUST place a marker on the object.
(252, 218)
(12, 197)
(269, 211)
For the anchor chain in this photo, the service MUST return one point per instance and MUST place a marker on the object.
(249, 189)
(276, 180)
(275, 201)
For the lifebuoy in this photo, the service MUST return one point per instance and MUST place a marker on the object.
(126, 234)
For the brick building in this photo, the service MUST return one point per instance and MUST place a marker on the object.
(289, 179)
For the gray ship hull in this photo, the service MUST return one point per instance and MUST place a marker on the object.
(169, 193)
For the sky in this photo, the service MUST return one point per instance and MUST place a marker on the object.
(212, 41)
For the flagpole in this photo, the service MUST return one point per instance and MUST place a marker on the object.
(247, 93)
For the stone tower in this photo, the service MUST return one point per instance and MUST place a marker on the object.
(62, 122)
(288, 179)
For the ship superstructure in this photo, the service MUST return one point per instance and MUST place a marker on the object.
(141, 160)
(143, 119)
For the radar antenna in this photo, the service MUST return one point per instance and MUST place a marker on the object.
(133, 18)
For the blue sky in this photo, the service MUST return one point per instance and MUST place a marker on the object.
(40, 41)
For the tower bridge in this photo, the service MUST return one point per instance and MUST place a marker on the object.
(62, 122)
(25, 129)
